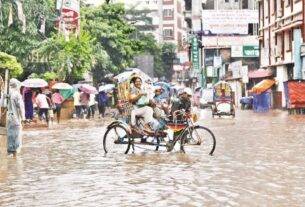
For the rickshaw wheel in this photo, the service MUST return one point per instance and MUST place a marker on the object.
(202, 136)
(116, 140)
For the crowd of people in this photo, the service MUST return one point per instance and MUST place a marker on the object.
(25, 102)
(47, 104)
(85, 104)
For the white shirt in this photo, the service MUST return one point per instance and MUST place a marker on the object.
(41, 101)
(92, 100)
(76, 97)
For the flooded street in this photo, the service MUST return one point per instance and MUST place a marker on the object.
(259, 161)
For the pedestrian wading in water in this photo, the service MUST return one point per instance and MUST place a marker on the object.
(15, 117)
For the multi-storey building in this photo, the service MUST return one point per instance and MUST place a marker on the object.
(281, 34)
(167, 18)
(230, 41)
(174, 27)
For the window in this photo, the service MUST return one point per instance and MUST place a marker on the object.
(288, 40)
(253, 29)
(168, 13)
(168, 33)
(245, 4)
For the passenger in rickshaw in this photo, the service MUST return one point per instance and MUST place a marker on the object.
(183, 103)
(141, 107)
(161, 108)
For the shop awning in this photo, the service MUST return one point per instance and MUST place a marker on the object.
(260, 73)
(263, 86)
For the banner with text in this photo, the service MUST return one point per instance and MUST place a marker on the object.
(228, 21)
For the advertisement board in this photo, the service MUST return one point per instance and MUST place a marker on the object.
(245, 51)
(236, 68)
(236, 51)
(195, 54)
(69, 14)
(228, 21)
(250, 51)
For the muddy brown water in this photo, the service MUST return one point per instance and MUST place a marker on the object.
(259, 161)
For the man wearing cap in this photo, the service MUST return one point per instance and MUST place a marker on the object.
(15, 116)
(184, 102)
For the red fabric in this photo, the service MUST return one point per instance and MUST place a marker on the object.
(296, 93)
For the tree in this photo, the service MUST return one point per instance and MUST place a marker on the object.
(12, 40)
(112, 37)
(10, 62)
(69, 60)
(168, 56)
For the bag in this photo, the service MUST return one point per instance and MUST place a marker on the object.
(143, 101)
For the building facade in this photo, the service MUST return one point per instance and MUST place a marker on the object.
(230, 42)
(281, 34)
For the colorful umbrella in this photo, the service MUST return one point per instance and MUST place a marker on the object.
(107, 87)
(62, 86)
(34, 83)
(88, 89)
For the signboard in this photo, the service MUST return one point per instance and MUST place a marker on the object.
(236, 67)
(227, 41)
(195, 54)
(70, 14)
(217, 62)
(236, 51)
(250, 51)
(210, 71)
(245, 51)
(228, 21)
(72, 5)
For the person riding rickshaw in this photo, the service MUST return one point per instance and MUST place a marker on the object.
(138, 121)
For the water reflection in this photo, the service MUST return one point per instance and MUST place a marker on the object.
(259, 161)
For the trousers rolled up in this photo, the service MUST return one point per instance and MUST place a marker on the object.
(146, 112)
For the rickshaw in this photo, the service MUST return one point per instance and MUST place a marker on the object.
(120, 137)
(223, 100)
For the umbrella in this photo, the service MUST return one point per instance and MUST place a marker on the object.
(132, 72)
(88, 89)
(62, 86)
(34, 83)
(107, 87)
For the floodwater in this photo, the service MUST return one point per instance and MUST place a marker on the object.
(259, 161)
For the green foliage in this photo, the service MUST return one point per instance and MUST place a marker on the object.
(10, 62)
(163, 54)
(12, 40)
(50, 76)
(69, 60)
(112, 36)
(168, 55)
